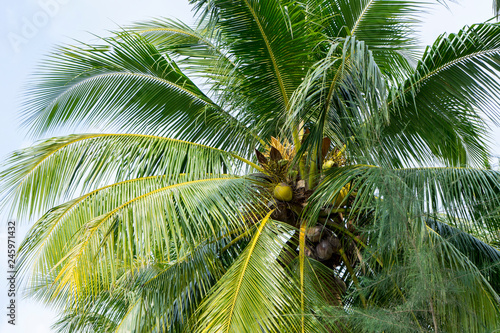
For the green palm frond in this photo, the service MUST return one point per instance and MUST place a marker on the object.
(484, 256)
(93, 160)
(155, 297)
(199, 48)
(454, 308)
(171, 292)
(321, 288)
(202, 53)
(234, 306)
(100, 313)
(436, 109)
(272, 67)
(127, 84)
(159, 226)
(467, 197)
(47, 240)
(416, 277)
(386, 26)
(344, 96)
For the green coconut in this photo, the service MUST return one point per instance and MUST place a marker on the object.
(328, 164)
(283, 192)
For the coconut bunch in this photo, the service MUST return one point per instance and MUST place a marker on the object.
(289, 191)
(335, 239)
(337, 236)
(335, 158)
(331, 239)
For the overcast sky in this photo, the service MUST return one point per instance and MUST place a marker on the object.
(29, 29)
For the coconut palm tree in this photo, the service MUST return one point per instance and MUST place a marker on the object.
(282, 167)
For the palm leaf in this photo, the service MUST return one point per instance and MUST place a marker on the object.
(48, 239)
(162, 225)
(202, 53)
(422, 277)
(255, 294)
(344, 96)
(270, 44)
(467, 197)
(170, 292)
(436, 109)
(58, 168)
(484, 256)
(386, 26)
(154, 297)
(128, 85)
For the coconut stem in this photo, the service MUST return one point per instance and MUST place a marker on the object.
(313, 170)
(296, 141)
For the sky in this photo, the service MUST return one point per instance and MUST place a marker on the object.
(29, 29)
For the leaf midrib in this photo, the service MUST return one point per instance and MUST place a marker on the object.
(361, 16)
(94, 229)
(93, 136)
(271, 54)
(245, 265)
(444, 67)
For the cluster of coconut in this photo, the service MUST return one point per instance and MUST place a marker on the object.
(333, 239)
(291, 196)
(325, 243)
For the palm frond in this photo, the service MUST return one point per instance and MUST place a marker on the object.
(270, 44)
(155, 297)
(161, 226)
(386, 26)
(466, 198)
(129, 85)
(344, 97)
(47, 240)
(320, 289)
(484, 256)
(202, 53)
(418, 277)
(452, 308)
(171, 292)
(97, 314)
(235, 306)
(439, 108)
(59, 168)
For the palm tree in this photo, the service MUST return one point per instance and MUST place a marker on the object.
(281, 167)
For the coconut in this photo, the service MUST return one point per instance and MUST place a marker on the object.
(335, 242)
(324, 250)
(283, 192)
(314, 234)
(328, 165)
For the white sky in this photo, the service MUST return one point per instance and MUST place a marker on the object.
(72, 19)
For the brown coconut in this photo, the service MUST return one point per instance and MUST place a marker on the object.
(335, 242)
(314, 233)
(324, 250)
